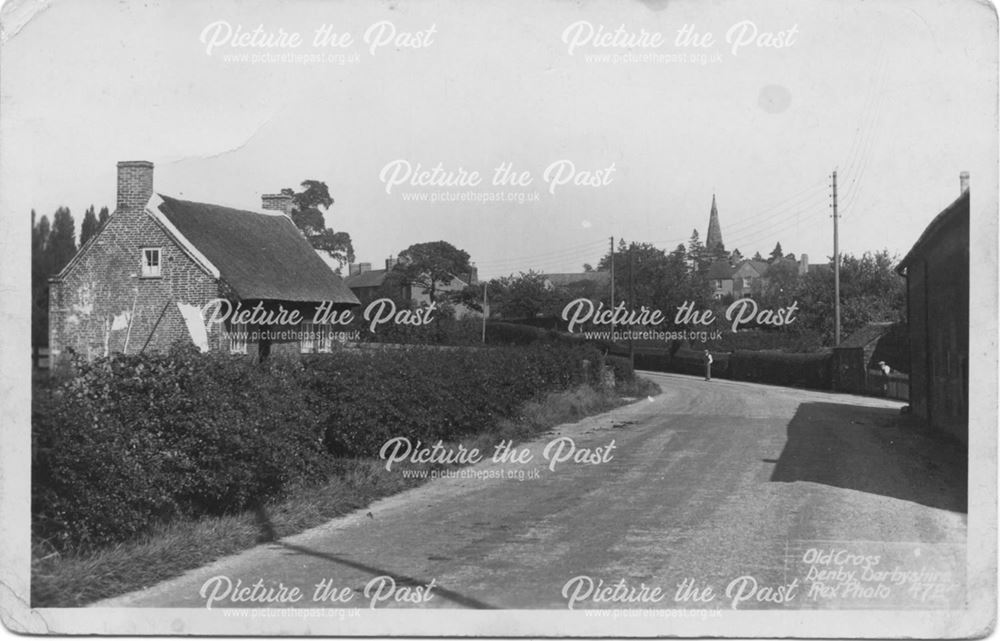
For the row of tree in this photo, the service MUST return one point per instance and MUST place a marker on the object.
(53, 245)
(645, 275)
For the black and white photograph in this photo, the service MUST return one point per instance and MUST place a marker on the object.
(553, 318)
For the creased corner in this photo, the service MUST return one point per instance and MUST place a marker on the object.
(16, 14)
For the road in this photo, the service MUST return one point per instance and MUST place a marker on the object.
(709, 483)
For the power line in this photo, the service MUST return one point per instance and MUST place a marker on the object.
(565, 250)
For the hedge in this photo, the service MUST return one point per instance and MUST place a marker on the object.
(774, 368)
(427, 394)
(132, 440)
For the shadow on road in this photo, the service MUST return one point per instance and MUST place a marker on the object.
(400, 579)
(874, 450)
(267, 533)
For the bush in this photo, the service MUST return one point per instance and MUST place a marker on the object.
(624, 372)
(135, 439)
(431, 394)
(131, 440)
(803, 340)
(777, 368)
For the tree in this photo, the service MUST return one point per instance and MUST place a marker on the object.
(776, 254)
(89, 226)
(39, 281)
(314, 194)
(431, 265)
(521, 296)
(61, 243)
(870, 291)
(308, 206)
(587, 267)
(735, 257)
(698, 257)
(757, 257)
(102, 217)
(659, 280)
(782, 283)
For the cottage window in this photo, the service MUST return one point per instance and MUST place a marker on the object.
(238, 338)
(315, 338)
(325, 341)
(307, 338)
(151, 262)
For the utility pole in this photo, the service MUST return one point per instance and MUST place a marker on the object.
(631, 304)
(836, 268)
(612, 288)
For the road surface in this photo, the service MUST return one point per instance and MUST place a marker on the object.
(715, 493)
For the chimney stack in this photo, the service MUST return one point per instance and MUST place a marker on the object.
(390, 262)
(803, 264)
(135, 184)
(364, 267)
(963, 181)
(277, 202)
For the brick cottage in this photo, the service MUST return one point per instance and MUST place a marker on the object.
(143, 282)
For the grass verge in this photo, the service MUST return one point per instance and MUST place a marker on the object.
(85, 576)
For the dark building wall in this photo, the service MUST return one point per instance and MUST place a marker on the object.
(938, 318)
(106, 279)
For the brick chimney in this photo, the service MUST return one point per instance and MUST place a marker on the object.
(963, 181)
(364, 267)
(277, 202)
(390, 262)
(135, 184)
(803, 264)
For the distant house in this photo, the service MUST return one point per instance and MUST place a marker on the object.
(747, 278)
(720, 277)
(371, 284)
(143, 282)
(581, 284)
(937, 308)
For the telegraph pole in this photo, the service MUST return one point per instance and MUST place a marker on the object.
(836, 268)
(612, 288)
(631, 303)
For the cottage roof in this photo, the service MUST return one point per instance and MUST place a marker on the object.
(260, 256)
(720, 270)
(952, 214)
(567, 279)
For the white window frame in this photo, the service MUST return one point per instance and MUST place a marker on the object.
(307, 343)
(148, 270)
(325, 343)
(237, 336)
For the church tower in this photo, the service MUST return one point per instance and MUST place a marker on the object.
(713, 240)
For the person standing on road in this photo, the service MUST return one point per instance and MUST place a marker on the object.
(708, 365)
(886, 370)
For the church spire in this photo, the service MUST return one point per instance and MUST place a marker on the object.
(714, 238)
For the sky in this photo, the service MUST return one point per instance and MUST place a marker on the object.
(897, 97)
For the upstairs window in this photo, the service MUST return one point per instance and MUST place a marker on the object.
(151, 262)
